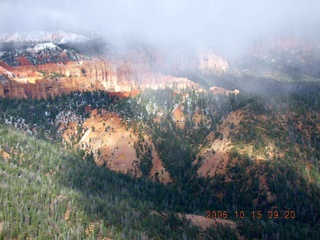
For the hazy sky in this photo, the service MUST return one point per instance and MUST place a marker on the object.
(224, 22)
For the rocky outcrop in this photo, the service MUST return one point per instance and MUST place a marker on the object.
(12, 89)
(211, 63)
(178, 115)
(182, 60)
(220, 90)
(52, 79)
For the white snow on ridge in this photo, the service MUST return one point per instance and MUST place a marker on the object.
(43, 46)
(56, 37)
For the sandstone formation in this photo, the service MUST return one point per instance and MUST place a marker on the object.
(53, 79)
(210, 62)
(219, 90)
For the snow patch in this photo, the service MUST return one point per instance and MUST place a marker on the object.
(44, 46)
(56, 37)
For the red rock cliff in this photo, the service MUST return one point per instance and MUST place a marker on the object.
(53, 79)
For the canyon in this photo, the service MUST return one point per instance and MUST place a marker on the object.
(43, 64)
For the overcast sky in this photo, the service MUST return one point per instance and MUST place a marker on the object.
(224, 22)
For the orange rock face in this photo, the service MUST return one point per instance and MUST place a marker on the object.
(12, 89)
(52, 79)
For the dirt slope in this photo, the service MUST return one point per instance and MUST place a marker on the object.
(214, 157)
(112, 141)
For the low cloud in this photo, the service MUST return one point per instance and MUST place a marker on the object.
(225, 24)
